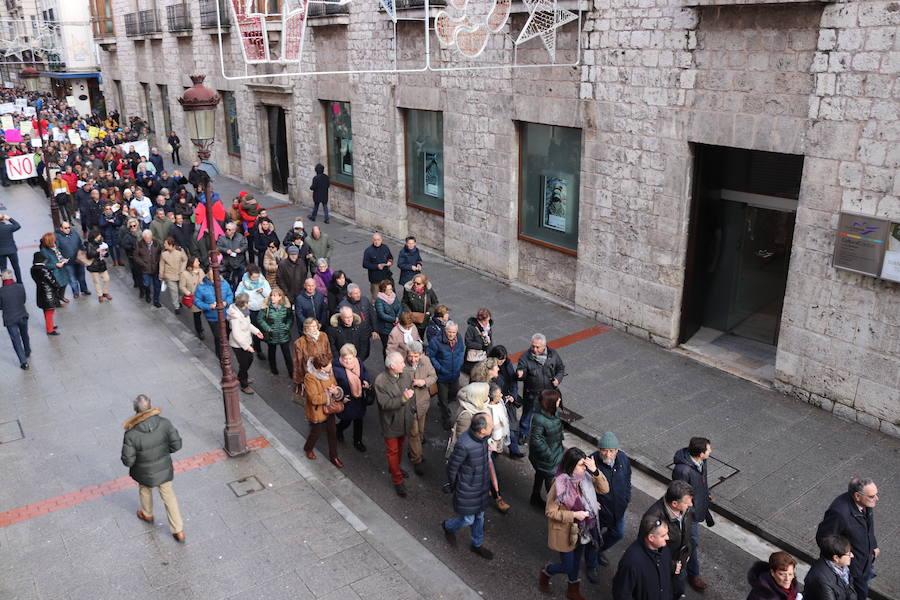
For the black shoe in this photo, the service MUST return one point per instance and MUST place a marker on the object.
(400, 489)
(359, 446)
(147, 299)
(593, 575)
(418, 469)
(157, 305)
(274, 371)
(86, 293)
(450, 536)
(262, 356)
(604, 562)
(54, 332)
(178, 312)
(482, 552)
(327, 221)
(310, 217)
(200, 336)
(24, 366)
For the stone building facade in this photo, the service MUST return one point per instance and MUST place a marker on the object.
(710, 131)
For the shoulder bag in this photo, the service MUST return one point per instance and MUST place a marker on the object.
(335, 404)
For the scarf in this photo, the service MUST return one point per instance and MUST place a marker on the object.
(315, 337)
(422, 291)
(389, 299)
(354, 378)
(8, 281)
(576, 492)
(842, 572)
(540, 358)
(407, 335)
(319, 374)
(325, 276)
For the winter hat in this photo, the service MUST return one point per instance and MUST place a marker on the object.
(608, 440)
(293, 250)
(243, 193)
(298, 224)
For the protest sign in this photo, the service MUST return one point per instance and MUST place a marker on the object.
(36, 142)
(74, 138)
(93, 132)
(26, 128)
(12, 136)
(21, 102)
(7, 107)
(29, 111)
(20, 167)
(6, 122)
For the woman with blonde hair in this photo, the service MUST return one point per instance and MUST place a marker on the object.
(320, 389)
(274, 255)
(313, 342)
(275, 320)
(420, 299)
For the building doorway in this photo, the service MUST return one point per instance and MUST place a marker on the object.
(278, 150)
(739, 249)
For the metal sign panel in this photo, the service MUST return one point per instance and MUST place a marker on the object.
(859, 243)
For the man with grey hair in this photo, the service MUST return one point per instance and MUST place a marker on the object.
(15, 316)
(393, 390)
(541, 369)
(345, 327)
(852, 515)
(447, 352)
(423, 378)
(363, 307)
(233, 247)
(146, 450)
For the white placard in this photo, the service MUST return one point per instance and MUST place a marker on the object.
(142, 147)
(21, 167)
(29, 111)
(21, 102)
(7, 107)
(36, 142)
(74, 138)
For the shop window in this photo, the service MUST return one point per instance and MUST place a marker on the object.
(340, 142)
(232, 136)
(549, 182)
(425, 159)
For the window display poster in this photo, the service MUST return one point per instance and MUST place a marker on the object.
(346, 146)
(859, 244)
(432, 174)
(891, 268)
(554, 204)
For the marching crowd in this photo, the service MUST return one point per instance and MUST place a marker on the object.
(285, 292)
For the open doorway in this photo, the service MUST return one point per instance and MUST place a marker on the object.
(741, 232)
(278, 149)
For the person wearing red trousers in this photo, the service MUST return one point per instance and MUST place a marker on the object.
(393, 389)
(47, 295)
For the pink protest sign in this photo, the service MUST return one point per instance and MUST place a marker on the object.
(12, 135)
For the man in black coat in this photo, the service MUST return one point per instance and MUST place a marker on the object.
(852, 515)
(361, 306)
(8, 249)
(146, 450)
(674, 509)
(644, 570)
(690, 466)
(378, 260)
(345, 328)
(15, 316)
(469, 478)
(616, 467)
(541, 369)
(829, 577)
(310, 304)
(319, 187)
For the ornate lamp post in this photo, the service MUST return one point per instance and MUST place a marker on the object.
(199, 104)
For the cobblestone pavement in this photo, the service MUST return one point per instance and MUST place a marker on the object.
(67, 508)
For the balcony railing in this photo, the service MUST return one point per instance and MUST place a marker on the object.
(179, 17)
(148, 21)
(208, 14)
(326, 9)
(131, 24)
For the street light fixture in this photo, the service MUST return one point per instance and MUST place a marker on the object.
(199, 104)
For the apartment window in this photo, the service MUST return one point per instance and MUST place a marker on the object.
(166, 110)
(340, 142)
(101, 11)
(549, 180)
(148, 107)
(425, 159)
(120, 98)
(268, 6)
(232, 136)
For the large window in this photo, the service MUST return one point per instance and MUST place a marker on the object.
(167, 112)
(548, 185)
(120, 98)
(232, 136)
(425, 159)
(340, 142)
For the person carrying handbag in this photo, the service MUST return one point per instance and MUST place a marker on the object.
(324, 399)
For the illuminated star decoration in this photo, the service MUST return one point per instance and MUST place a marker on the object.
(544, 19)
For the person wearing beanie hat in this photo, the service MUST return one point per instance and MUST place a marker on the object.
(292, 273)
(616, 467)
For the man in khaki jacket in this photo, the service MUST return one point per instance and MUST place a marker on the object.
(172, 261)
(423, 377)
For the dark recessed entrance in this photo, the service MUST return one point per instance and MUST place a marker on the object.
(278, 151)
(741, 230)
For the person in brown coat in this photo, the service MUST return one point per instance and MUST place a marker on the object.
(188, 281)
(146, 255)
(172, 262)
(573, 513)
(312, 343)
(402, 335)
(320, 389)
(423, 377)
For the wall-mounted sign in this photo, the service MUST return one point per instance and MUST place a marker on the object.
(860, 243)
(891, 267)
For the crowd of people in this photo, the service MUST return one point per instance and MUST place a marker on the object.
(285, 292)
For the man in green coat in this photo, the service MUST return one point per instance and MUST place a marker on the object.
(394, 390)
(146, 451)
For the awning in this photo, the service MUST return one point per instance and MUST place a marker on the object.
(53, 75)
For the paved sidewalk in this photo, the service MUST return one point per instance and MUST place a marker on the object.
(792, 458)
(307, 532)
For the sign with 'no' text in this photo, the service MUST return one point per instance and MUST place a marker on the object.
(21, 167)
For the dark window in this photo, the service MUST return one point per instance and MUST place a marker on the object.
(167, 113)
(232, 136)
(425, 159)
(340, 142)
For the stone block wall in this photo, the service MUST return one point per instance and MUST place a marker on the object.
(654, 77)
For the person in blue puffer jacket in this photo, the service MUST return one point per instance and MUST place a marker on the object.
(205, 300)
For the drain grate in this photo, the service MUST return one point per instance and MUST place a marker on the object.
(11, 431)
(716, 471)
(246, 486)
(568, 416)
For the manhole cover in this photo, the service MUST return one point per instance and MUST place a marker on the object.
(568, 416)
(717, 471)
(11, 431)
(245, 486)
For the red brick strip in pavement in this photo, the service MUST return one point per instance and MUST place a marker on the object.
(573, 338)
(92, 492)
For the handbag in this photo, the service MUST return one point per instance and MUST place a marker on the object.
(369, 395)
(476, 355)
(187, 300)
(418, 317)
(433, 389)
(81, 257)
(334, 405)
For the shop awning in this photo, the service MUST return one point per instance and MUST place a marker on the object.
(53, 75)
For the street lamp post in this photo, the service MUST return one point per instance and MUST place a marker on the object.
(199, 104)
(30, 76)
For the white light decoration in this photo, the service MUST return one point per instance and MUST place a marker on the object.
(470, 37)
(544, 19)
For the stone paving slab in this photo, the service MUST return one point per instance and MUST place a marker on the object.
(793, 459)
(287, 540)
